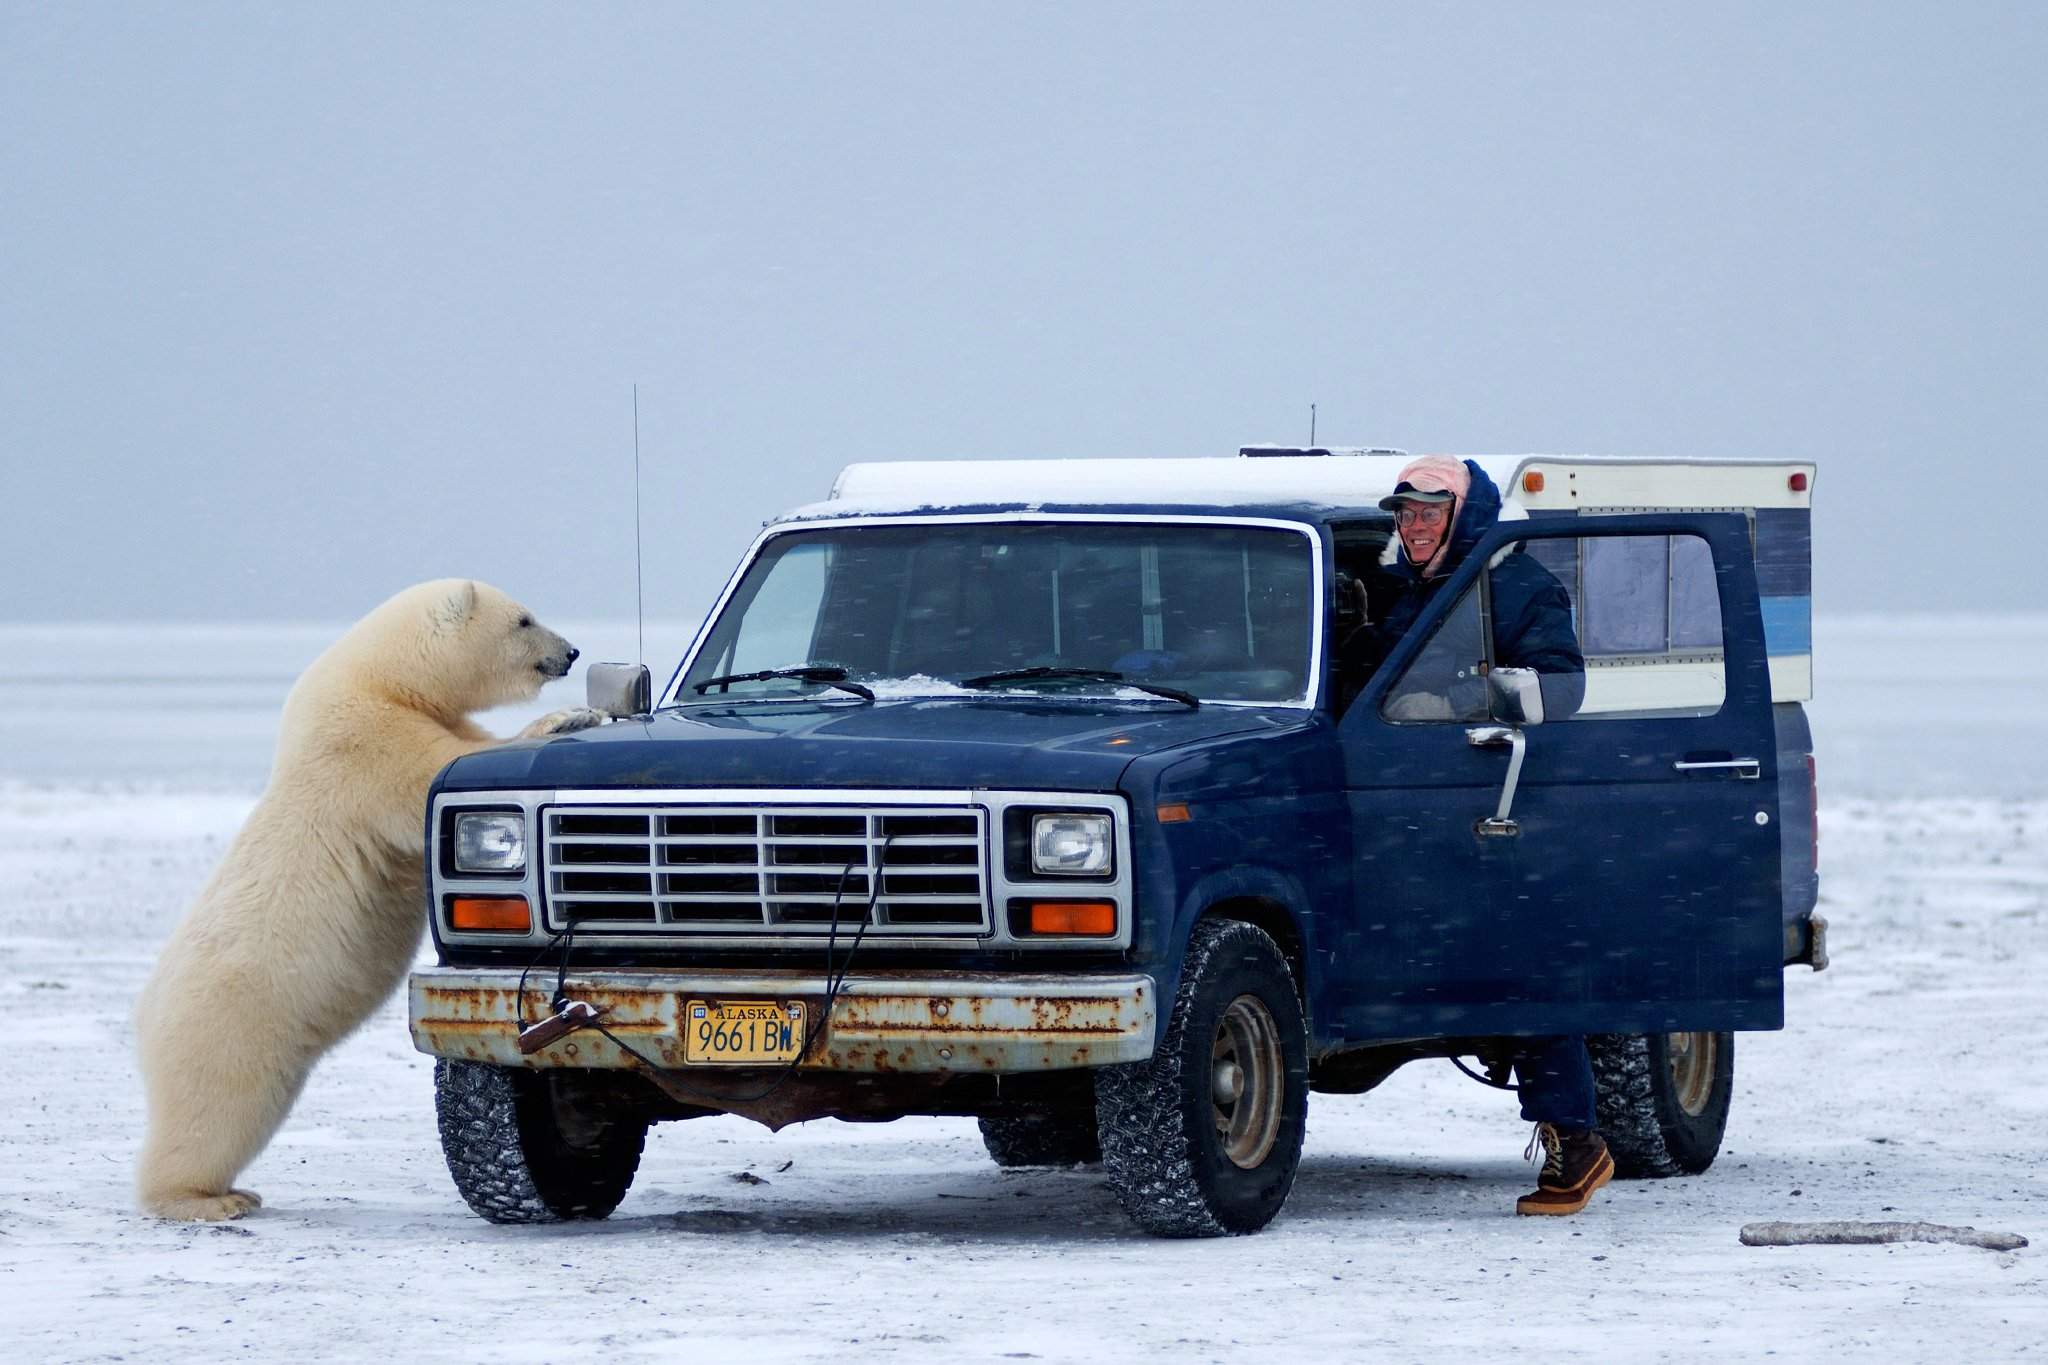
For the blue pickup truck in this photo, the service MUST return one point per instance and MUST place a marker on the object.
(1036, 791)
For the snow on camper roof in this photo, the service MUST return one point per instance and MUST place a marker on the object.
(904, 486)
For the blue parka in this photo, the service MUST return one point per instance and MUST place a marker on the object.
(1532, 612)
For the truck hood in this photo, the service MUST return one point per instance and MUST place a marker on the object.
(1011, 743)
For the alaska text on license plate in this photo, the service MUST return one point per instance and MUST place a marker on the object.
(742, 1032)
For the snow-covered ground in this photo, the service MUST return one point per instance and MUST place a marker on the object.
(1907, 1085)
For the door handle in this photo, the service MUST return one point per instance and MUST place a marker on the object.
(1748, 769)
(1499, 824)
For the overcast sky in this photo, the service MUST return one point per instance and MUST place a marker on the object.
(301, 303)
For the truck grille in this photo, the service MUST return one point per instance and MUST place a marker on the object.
(766, 870)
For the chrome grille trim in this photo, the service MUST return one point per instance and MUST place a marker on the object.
(992, 804)
(766, 870)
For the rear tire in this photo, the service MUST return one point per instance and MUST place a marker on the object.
(522, 1151)
(1204, 1138)
(1662, 1099)
(1046, 1137)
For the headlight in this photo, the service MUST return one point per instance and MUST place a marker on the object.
(1070, 845)
(490, 841)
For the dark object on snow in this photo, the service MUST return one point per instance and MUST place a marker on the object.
(522, 1150)
(1663, 1099)
(1873, 1234)
(1063, 1136)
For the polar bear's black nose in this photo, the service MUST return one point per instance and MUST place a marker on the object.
(573, 652)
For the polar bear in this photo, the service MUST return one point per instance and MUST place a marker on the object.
(313, 916)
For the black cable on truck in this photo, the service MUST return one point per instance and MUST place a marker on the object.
(832, 985)
(664, 1076)
(1459, 1063)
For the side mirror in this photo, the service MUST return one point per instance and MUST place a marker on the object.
(1517, 695)
(619, 689)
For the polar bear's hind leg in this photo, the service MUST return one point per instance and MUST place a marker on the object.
(207, 1122)
(205, 1208)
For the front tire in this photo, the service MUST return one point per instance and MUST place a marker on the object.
(522, 1151)
(1662, 1099)
(1204, 1138)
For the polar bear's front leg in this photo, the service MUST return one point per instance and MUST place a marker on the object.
(562, 722)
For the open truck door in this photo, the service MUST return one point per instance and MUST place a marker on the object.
(1500, 856)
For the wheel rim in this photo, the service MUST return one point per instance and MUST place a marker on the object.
(1246, 1086)
(1695, 1060)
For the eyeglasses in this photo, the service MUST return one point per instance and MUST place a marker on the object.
(1422, 513)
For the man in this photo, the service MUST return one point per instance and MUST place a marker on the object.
(1442, 507)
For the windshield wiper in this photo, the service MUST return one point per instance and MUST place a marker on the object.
(829, 674)
(1104, 675)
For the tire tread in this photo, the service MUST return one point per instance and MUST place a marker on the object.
(478, 1111)
(1648, 1135)
(1148, 1151)
(1051, 1137)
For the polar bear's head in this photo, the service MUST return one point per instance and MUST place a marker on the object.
(456, 645)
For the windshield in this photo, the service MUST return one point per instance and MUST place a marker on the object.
(1222, 611)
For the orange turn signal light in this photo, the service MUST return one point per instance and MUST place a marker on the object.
(1174, 813)
(1532, 482)
(1095, 918)
(490, 912)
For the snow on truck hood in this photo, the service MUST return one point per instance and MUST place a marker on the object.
(1015, 743)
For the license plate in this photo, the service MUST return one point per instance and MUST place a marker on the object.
(742, 1032)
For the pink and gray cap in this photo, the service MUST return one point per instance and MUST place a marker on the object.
(1432, 478)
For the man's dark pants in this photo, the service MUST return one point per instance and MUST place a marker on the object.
(1555, 1077)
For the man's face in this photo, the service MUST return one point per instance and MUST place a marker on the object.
(1424, 527)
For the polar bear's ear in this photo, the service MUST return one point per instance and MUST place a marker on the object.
(451, 611)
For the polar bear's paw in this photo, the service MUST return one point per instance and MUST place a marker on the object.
(564, 721)
(206, 1208)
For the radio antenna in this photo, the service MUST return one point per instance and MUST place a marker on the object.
(639, 605)
(1311, 426)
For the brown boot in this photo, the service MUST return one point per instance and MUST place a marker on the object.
(1574, 1165)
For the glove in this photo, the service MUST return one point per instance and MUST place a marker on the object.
(1419, 706)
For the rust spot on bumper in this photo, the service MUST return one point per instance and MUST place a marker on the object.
(897, 1022)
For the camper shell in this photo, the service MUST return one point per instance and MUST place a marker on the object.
(931, 876)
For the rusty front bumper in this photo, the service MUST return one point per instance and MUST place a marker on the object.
(915, 1022)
